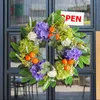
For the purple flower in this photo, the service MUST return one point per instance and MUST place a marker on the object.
(74, 53)
(35, 70)
(42, 30)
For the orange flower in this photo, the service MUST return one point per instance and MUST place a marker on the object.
(57, 37)
(64, 61)
(35, 60)
(51, 29)
(32, 54)
(70, 62)
(50, 34)
(27, 57)
(67, 68)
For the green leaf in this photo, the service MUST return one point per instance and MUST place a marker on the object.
(75, 72)
(70, 80)
(33, 23)
(80, 35)
(15, 59)
(21, 66)
(23, 32)
(46, 85)
(15, 46)
(78, 40)
(49, 20)
(25, 79)
(12, 54)
(41, 83)
(53, 83)
(25, 72)
(75, 29)
(80, 63)
(58, 12)
(32, 81)
(66, 81)
(60, 47)
(85, 59)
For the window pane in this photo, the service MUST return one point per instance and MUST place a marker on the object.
(75, 6)
(24, 91)
(21, 10)
(15, 37)
(80, 90)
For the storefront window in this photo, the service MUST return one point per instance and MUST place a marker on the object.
(21, 10)
(75, 6)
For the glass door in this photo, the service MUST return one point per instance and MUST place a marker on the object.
(17, 13)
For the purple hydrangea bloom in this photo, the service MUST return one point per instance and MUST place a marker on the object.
(35, 70)
(74, 53)
(42, 30)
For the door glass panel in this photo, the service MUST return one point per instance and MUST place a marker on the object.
(15, 37)
(80, 90)
(19, 90)
(75, 6)
(21, 10)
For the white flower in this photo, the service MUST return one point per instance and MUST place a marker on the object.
(66, 42)
(52, 73)
(32, 36)
(37, 41)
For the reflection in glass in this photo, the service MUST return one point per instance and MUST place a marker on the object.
(75, 6)
(21, 10)
(80, 90)
(16, 38)
(24, 91)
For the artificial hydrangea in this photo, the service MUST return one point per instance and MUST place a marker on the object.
(32, 36)
(52, 73)
(74, 53)
(42, 30)
(66, 42)
(36, 71)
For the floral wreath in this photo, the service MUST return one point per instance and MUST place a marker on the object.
(71, 49)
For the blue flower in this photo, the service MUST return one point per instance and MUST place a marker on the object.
(74, 53)
(42, 30)
(35, 70)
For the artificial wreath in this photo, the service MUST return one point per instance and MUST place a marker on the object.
(71, 49)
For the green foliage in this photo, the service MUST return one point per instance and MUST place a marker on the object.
(75, 29)
(80, 63)
(25, 79)
(23, 32)
(69, 80)
(21, 66)
(85, 59)
(15, 46)
(53, 83)
(25, 72)
(32, 81)
(75, 72)
(12, 54)
(41, 83)
(46, 85)
(61, 73)
(78, 40)
(80, 35)
(26, 46)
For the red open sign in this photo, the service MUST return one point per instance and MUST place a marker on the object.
(73, 18)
